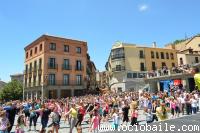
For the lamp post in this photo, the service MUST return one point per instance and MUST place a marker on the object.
(42, 89)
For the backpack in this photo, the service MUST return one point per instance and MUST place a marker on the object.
(55, 117)
(33, 114)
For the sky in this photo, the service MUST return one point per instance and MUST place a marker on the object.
(99, 22)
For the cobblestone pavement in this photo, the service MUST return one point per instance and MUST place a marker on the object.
(64, 127)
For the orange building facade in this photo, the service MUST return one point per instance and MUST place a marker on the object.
(55, 67)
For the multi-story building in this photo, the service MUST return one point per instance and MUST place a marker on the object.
(19, 77)
(128, 64)
(103, 79)
(91, 74)
(55, 67)
(188, 50)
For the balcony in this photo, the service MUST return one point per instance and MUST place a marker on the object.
(79, 68)
(118, 56)
(33, 84)
(52, 66)
(62, 83)
(66, 67)
(116, 69)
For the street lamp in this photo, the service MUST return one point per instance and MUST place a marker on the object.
(42, 89)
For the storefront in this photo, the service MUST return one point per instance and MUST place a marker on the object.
(165, 85)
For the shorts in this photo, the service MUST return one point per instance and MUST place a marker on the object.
(177, 109)
(27, 114)
(44, 123)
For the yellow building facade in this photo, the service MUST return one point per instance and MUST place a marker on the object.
(156, 58)
(128, 63)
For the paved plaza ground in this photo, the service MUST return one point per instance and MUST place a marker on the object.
(64, 127)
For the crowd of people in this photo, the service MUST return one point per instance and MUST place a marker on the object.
(121, 108)
(165, 70)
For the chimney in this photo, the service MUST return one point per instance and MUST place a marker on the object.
(154, 45)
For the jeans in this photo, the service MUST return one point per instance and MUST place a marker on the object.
(44, 123)
(34, 120)
(194, 110)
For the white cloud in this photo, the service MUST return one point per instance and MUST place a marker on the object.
(143, 7)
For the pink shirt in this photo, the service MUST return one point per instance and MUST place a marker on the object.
(95, 122)
(173, 105)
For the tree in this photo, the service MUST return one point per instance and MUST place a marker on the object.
(12, 91)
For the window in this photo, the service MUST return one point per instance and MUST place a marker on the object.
(141, 54)
(129, 75)
(40, 47)
(34, 80)
(26, 69)
(29, 81)
(118, 67)
(31, 53)
(167, 55)
(163, 64)
(35, 65)
(52, 46)
(25, 82)
(153, 66)
(35, 50)
(52, 63)
(66, 79)
(78, 49)
(134, 75)
(117, 53)
(66, 64)
(40, 63)
(141, 75)
(52, 79)
(152, 54)
(39, 79)
(78, 65)
(172, 56)
(157, 55)
(66, 48)
(30, 69)
(181, 61)
(173, 64)
(26, 55)
(142, 66)
(78, 79)
(196, 60)
(162, 55)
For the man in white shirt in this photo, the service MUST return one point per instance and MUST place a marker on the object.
(181, 98)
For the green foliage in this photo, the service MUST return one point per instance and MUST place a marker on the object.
(178, 41)
(12, 91)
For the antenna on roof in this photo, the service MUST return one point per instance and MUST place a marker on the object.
(186, 36)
